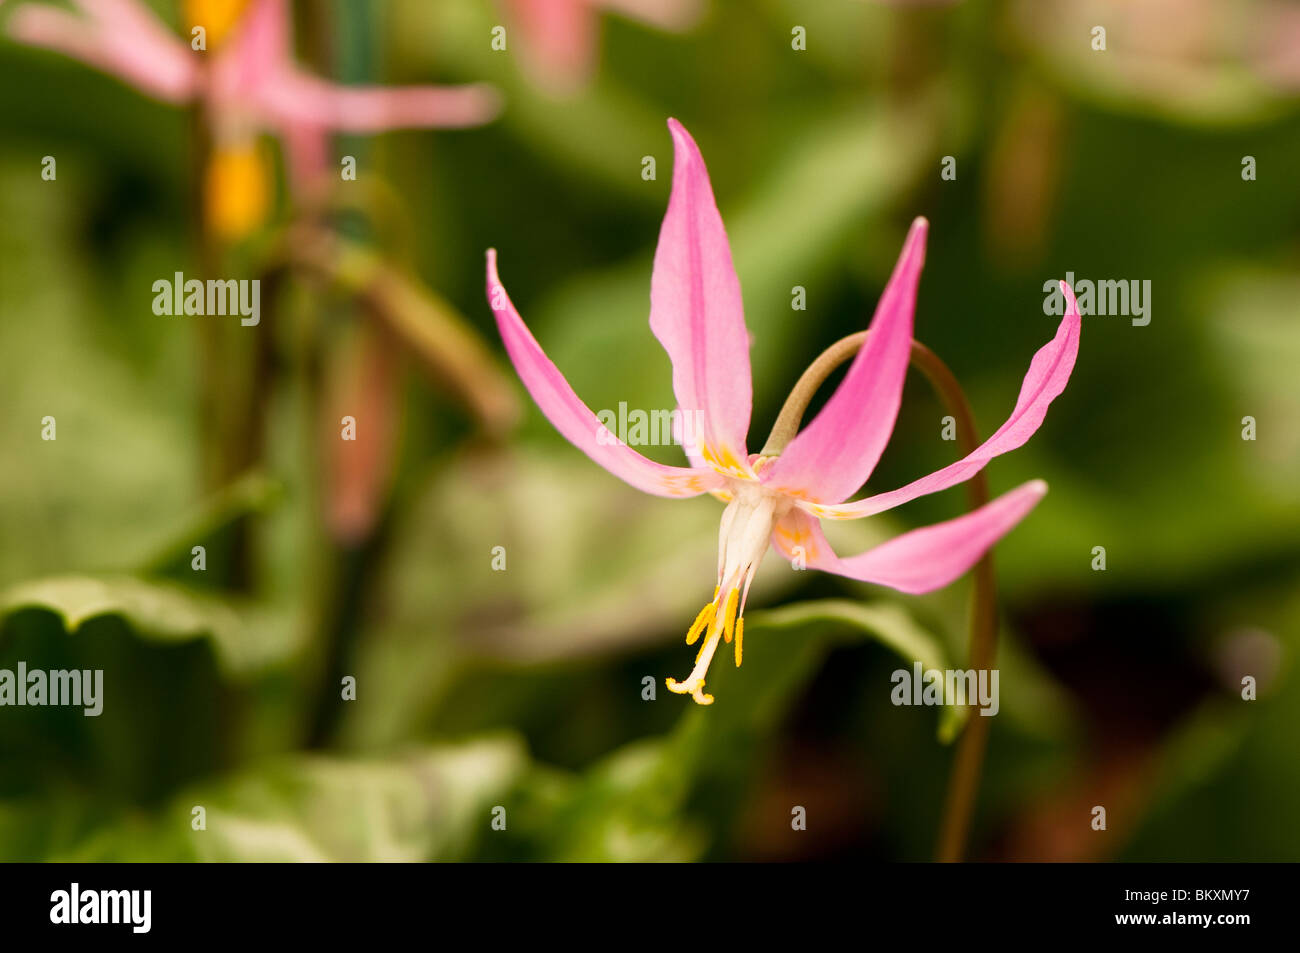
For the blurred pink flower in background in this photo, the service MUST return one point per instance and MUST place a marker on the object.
(696, 313)
(1277, 45)
(250, 83)
(1202, 59)
(560, 37)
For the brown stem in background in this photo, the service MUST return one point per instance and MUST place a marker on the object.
(963, 785)
(402, 317)
(235, 363)
(209, 361)
(360, 379)
(440, 340)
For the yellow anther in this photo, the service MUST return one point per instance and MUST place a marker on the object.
(236, 190)
(740, 638)
(701, 623)
(694, 689)
(217, 17)
(729, 614)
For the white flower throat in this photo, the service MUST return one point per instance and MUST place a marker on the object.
(743, 539)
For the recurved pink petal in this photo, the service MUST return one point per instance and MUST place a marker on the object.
(697, 314)
(917, 561)
(573, 418)
(303, 99)
(119, 37)
(260, 51)
(1048, 373)
(832, 457)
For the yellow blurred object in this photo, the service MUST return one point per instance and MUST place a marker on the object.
(236, 190)
(217, 17)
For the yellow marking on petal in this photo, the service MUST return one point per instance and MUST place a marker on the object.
(740, 638)
(217, 17)
(729, 614)
(724, 461)
(236, 190)
(788, 539)
(701, 622)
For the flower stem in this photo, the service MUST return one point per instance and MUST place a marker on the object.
(792, 411)
(963, 785)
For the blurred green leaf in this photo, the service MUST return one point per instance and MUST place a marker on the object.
(179, 677)
(164, 613)
(85, 348)
(592, 568)
(891, 625)
(253, 493)
(430, 804)
(1204, 71)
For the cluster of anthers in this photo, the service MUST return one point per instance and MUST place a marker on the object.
(751, 514)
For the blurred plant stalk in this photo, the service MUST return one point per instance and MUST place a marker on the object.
(428, 327)
(361, 379)
(237, 71)
(234, 366)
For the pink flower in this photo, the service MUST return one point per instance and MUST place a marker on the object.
(249, 80)
(695, 312)
(559, 36)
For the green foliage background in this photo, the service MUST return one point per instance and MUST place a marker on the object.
(523, 689)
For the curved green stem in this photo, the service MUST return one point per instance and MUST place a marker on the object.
(792, 411)
(963, 785)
